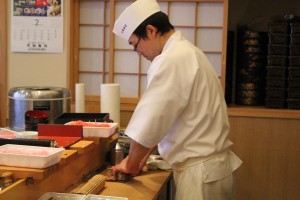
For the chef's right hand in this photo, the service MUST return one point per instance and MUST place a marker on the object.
(125, 167)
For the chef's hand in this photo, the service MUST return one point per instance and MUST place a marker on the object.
(124, 167)
(134, 162)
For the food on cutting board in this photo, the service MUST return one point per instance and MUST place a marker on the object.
(89, 124)
(95, 129)
(7, 134)
(30, 152)
(118, 177)
(29, 156)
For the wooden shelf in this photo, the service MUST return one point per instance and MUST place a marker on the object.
(247, 111)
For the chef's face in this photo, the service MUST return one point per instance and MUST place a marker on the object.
(147, 47)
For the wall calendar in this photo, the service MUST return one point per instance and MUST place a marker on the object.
(37, 26)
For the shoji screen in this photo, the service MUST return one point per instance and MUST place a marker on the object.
(93, 44)
(103, 57)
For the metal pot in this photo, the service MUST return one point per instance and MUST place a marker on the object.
(52, 100)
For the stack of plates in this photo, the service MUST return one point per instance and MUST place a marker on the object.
(251, 67)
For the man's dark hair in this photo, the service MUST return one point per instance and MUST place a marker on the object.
(160, 20)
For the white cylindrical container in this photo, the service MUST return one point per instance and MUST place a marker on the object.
(110, 101)
(79, 98)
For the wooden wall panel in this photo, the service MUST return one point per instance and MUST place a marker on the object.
(269, 148)
(3, 63)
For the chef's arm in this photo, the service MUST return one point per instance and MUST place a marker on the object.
(144, 160)
(136, 154)
(135, 160)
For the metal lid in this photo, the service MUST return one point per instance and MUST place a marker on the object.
(27, 93)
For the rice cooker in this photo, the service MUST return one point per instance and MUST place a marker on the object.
(52, 100)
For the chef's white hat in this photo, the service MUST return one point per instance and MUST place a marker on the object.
(133, 16)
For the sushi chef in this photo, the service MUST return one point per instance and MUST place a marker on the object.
(182, 112)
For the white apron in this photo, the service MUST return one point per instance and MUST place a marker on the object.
(196, 179)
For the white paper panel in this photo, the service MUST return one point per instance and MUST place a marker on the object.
(107, 18)
(129, 85)
(120, 7)
(91, 12)
(209, 39)
(188, 33)
(163, 7)
(91, 37)
(126, 62)
(182, 13)
(106, 63)
(216, 61)
(210, 14)
(122, 44)
(91, 60)
(92, 83)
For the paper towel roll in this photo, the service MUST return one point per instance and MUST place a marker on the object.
(110, 101)
(79, 98)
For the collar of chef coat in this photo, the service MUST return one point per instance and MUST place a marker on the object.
(154, 67)
(175, 36)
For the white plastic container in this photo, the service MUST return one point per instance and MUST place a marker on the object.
(103, 132)
(101, 197)
(29, 156)
(94, 131)
(62, 196)
(28, 134)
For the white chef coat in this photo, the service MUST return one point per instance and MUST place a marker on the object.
(183, 108)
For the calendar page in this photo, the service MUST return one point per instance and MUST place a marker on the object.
(37, 26)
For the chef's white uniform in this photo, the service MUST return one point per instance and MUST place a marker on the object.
(183, 111)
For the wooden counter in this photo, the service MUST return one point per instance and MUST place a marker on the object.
(76, 163)
(150, 185)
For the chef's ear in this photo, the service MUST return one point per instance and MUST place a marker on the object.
(151, 30)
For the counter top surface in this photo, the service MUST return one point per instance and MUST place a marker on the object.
(78, 161)
(146, 186)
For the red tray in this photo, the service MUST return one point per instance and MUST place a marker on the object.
(65, 136)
